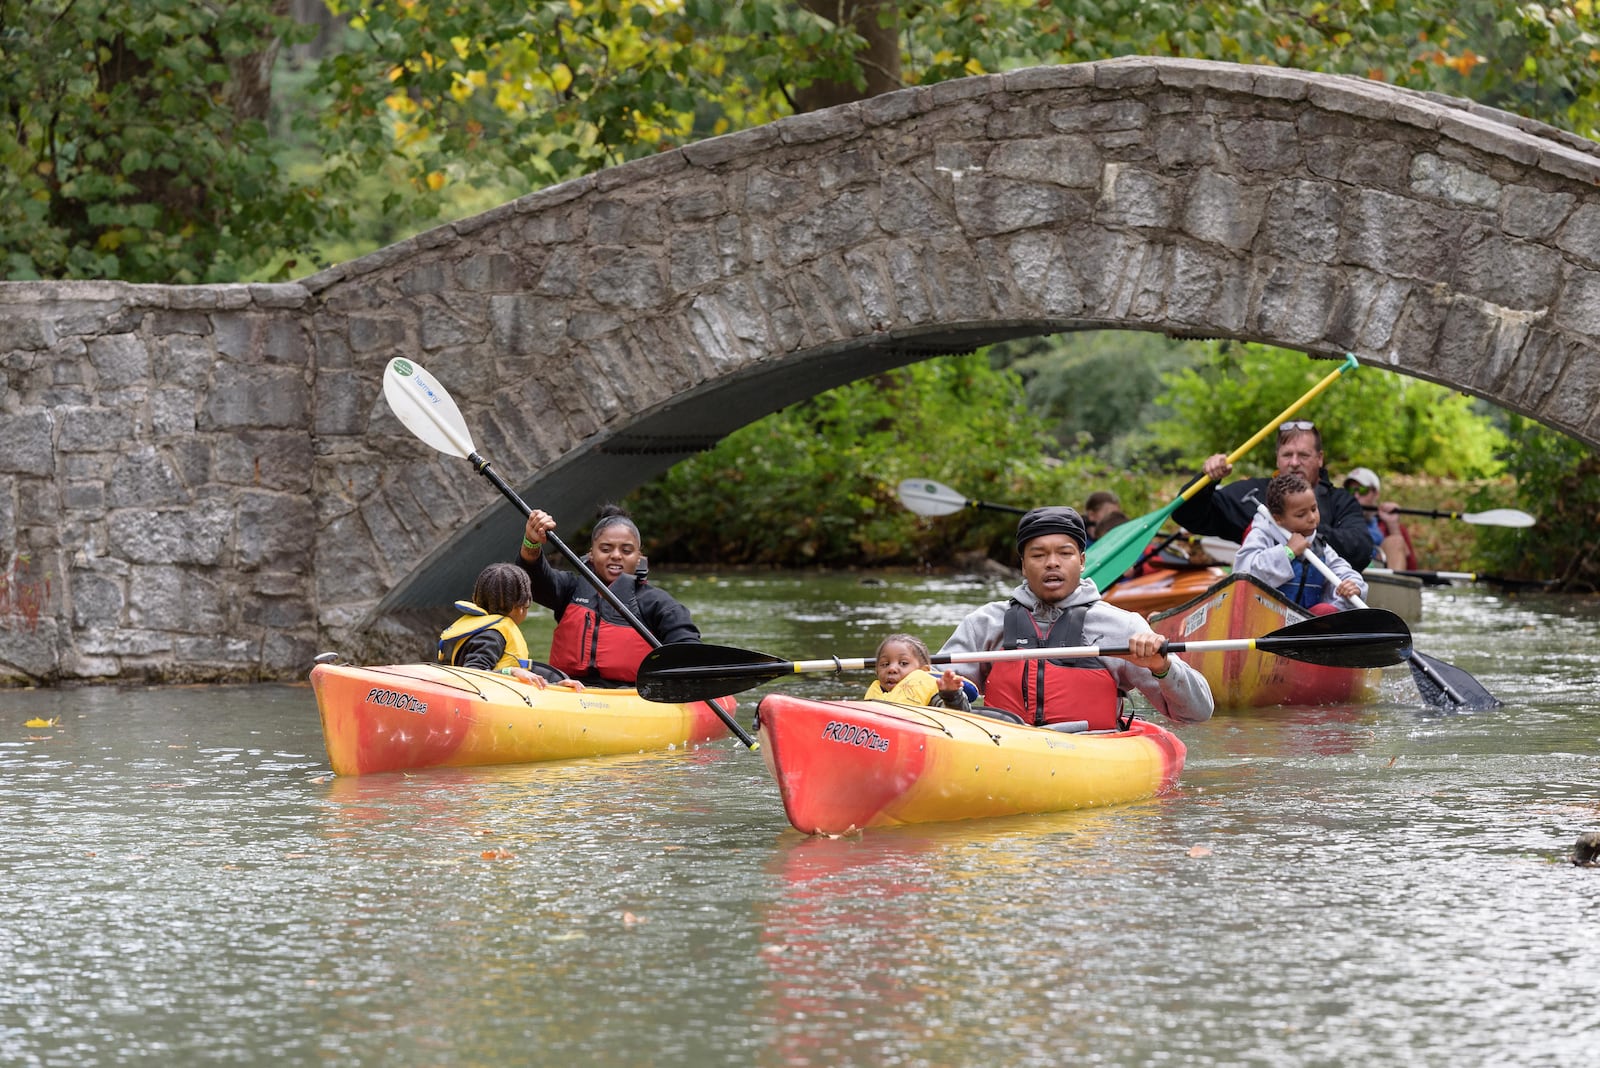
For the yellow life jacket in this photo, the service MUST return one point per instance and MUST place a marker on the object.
(475, 620)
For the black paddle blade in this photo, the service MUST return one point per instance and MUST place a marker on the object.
(1358, 638)
(688, 671)
(1447, 686)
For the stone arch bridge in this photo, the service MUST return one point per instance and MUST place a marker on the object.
(203, 482)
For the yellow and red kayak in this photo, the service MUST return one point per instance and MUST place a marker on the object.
(1242, 607)
(844, 766)
(405, 716)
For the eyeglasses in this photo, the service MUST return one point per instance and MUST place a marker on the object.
(1297, 424)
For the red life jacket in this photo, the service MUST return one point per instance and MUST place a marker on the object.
(1050, 691)
(593, 638)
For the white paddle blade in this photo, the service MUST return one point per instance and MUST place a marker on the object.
(1499, 517)
(926, 497)
(426, 408)
(1220, 549)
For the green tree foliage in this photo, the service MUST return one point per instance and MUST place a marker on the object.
(474, 89)
(1558, 481)
(135, 144)
(1368, 417)
(816, 482)
(1094, 387)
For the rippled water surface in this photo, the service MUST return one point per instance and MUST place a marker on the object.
(185, 881)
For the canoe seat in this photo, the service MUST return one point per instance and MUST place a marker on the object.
(1070, 726)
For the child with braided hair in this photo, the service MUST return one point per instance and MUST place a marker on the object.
(488, 635)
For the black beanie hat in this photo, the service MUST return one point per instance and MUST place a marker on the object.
(1054, 520)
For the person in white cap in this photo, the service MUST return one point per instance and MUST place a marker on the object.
(1391, 541)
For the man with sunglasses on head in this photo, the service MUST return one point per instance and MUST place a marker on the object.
(1226, 511)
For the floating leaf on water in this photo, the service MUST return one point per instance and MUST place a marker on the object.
(53, 721)
(497, 854)
(1199, 851)
(631, 920)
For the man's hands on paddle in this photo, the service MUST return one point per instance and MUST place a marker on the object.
(1217, 466)
(1144, 649)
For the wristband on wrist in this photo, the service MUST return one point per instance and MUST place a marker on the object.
(1164, 671)
(526, 544)
(1289, 551)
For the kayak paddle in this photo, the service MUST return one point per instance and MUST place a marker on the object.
(686, 671)
(924, 496)
(1494, 517)
(425, 408)
(1444, 578)
(1440, 684)
(1113, 554)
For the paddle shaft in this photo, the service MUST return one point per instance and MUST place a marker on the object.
(1415, 661)
(1494, 517)
(775, 668)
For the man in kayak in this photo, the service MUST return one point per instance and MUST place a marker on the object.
(1225, 511)
(1057, 607)
(593, 642)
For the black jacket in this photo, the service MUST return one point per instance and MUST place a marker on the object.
(1225, 512)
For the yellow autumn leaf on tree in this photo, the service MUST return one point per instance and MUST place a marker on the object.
(436, 180)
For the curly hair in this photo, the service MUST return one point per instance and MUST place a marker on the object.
(1280, 487)
(501, 587)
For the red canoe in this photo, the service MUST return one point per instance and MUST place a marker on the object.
(1163, 588)
(1242, 607)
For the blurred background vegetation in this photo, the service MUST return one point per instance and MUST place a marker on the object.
(174, 142)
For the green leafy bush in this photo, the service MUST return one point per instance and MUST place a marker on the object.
(1558, 481)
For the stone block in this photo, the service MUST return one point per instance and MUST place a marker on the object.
(1223, 212)
(1508, 272)
(1400, 236)
(254, 396)
(1581, 233)
(835, 224)
(183, 360)
(1039, 271)
(119, 360)
(1264, 145)
(177, 600)
(987, 206)
(1101, 117)
(25, 447)
(1452, 180)
(1302, 221)
(97, 600)
(524, 325)
(26, 334)
(90, 429)
(424, 278)
(368, 333)
(275, 530)
(1293, 301)
(1074, 162)
(195, 535)
(1131, 196)
(490, 272)
(1578, 305)
(1526, 211)
(141, 476)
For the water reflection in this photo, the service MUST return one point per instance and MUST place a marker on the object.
(187, 882)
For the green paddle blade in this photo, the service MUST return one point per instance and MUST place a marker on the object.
(1123, 545)
(1358, 638)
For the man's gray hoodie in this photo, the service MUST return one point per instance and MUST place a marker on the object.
(1182, 695)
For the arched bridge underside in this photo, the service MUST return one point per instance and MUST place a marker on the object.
(597, 332)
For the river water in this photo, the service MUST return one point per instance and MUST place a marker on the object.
(186, 882)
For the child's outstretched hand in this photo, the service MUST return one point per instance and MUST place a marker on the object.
(950, 681)
(524, 675)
